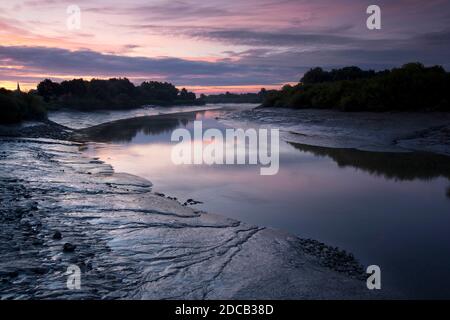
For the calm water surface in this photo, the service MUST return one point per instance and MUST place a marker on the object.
(392, 210)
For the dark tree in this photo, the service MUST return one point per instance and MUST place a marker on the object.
(48, 89)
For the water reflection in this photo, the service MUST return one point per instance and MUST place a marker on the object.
(127, 129)
(390, 165)
(392, 211)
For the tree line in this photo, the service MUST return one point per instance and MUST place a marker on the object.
(412, 87)
(114, 93)
(79, 94)
(236, 97)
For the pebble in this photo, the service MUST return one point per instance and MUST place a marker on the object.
(68, 247)
(57, 235)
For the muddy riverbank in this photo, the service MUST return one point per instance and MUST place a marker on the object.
(132, 243)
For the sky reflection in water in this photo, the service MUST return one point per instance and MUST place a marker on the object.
(392, 210)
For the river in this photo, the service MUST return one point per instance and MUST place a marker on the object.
(390, 209)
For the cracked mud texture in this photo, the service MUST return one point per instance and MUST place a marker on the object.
(134, 244)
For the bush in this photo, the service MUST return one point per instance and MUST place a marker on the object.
(18, 106)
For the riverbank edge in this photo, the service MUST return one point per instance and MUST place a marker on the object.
(328, 256)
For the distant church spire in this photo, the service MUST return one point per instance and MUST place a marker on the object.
(18, 87)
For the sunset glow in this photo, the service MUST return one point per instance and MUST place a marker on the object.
(211, 47)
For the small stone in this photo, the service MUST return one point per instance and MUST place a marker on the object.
(68, 247)
(57, 235)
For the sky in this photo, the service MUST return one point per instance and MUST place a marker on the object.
(214, 46)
